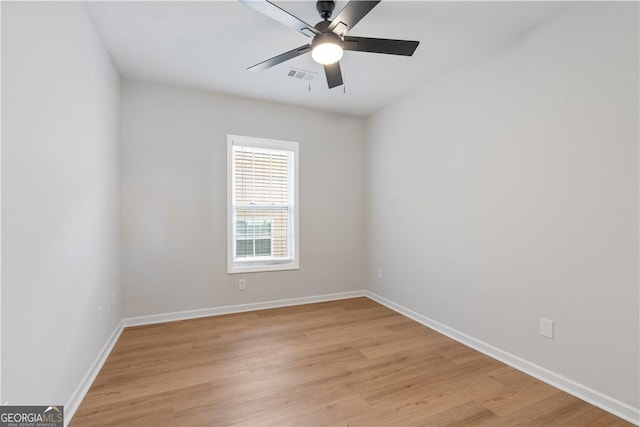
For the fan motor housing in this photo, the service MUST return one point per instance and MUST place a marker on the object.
(323, 26)
(325, 8)
(326, 37)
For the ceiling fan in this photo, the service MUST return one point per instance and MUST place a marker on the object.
(329, 39)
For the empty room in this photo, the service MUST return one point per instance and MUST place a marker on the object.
(319, 213)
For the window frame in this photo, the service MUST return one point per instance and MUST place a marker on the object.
(259, 265)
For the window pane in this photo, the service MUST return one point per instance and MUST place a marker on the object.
(244, 248)
(262, 228)
(241, 229)
(263, 247)
(261, 176)
(262, 224)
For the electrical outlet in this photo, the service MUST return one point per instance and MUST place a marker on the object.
(113, 303)
(546, 328)
(99, 315)
(242, 284)
(379, 274)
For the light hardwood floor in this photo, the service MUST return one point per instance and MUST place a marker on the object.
(350, 362)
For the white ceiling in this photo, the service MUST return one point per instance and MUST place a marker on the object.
(209, 45)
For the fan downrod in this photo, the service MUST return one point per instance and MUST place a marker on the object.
(325, 8)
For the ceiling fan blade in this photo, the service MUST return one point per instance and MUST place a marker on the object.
(334, 75)
(351, 14)
(281, 58)
(275, 12)
(387, 46)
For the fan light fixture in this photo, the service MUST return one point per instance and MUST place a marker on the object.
(326, 48)
(329, 38)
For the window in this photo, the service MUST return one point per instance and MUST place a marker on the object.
(262, 201)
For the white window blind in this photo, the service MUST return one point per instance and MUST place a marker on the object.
(263, 205)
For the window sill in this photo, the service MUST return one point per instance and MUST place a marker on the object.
(256, 268)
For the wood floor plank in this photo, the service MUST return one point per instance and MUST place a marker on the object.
(351, 362)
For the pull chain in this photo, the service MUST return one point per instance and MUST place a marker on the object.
(309, 72)
(344, 85)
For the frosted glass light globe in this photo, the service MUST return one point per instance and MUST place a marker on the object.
(326, 48)
(327, 53)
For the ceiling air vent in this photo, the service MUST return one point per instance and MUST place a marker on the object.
(299, 74)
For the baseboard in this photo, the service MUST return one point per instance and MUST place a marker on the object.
(240, 308)
(76, 397)
(607, 403)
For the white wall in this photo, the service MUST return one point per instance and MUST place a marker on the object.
(174, 199)
(507, 191)
(60, 148)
